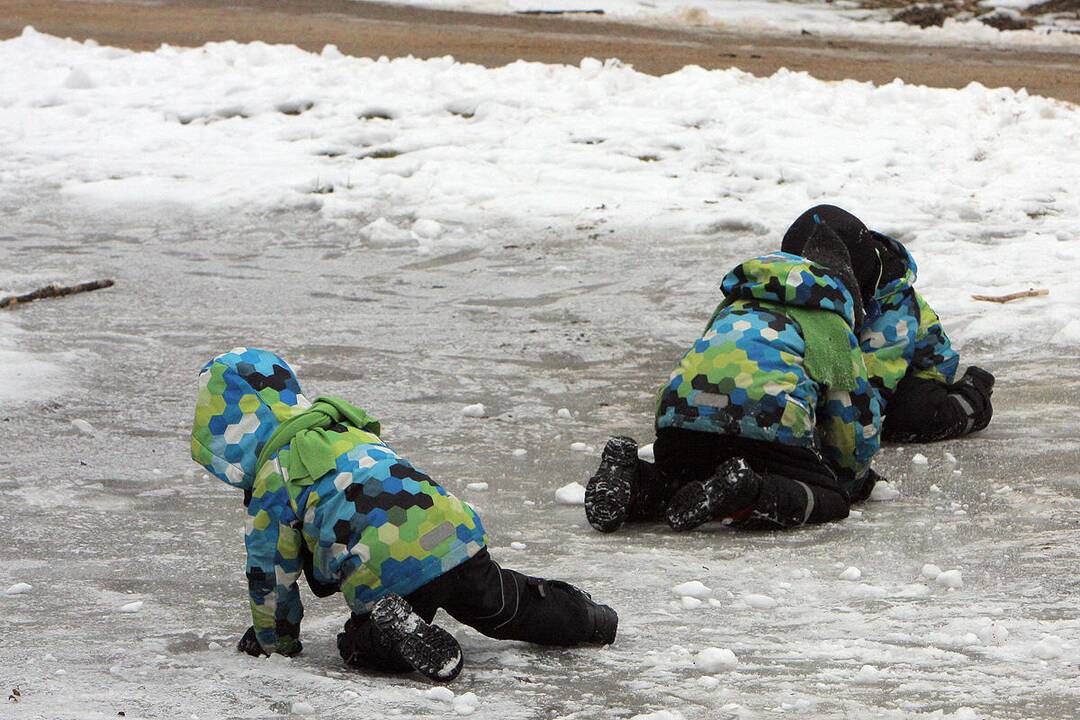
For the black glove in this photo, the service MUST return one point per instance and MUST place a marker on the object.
(869, 480)
(972, 394)
(250, 644)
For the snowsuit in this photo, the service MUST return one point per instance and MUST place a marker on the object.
(366, 523)
(743, 390)
(908, 356)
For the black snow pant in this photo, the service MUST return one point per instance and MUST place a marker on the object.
(501, 604)
(921, 410)
(797, 486)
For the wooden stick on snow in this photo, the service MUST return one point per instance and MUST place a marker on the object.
(1033, 292)
(51, 291)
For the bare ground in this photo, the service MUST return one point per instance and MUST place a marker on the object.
(371, 29)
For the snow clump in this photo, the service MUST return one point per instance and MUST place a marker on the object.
(571, 494)
(714, 659)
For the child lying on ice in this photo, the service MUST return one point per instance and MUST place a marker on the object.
(769, 421)
(909, 358)
(326, 497)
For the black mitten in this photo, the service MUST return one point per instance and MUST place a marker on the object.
(972, 394)
(250, 644)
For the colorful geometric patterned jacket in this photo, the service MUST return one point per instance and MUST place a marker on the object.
(745, 376)
(901, 333)
(373, 525)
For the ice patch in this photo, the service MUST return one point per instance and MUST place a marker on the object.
(83, 427)
(299, 707)
(571, 494)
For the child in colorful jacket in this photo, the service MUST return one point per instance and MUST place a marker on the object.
(909, 358)
(769, 420)
(326, 497)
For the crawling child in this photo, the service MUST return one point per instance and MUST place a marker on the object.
(326, 497)
(769, 420)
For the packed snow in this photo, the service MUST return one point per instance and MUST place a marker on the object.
(584, 217)
(838, 18)
(571, 494)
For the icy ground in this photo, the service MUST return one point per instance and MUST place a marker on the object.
(517, 266)
(838, 18)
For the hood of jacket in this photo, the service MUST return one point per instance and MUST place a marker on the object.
(898, 268)
(244, 395)
(791, 280)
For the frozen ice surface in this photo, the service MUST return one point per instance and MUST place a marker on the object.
(410, 331)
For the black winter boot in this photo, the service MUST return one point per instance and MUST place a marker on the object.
(609, 492)
(734, 487)
(432, 651)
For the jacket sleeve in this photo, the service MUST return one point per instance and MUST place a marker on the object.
(934, 357)
(274, 563)
(850, 433)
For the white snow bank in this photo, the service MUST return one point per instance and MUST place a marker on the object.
(983, 204)
(820, 17)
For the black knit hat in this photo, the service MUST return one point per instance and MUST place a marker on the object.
(861, 244)
(825, 248)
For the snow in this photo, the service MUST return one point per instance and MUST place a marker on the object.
(759, 602)
(299, 707)
(19, 588)
(571, 494)
(564, 414)
(476, 410)
(820, 17)
(645, 452)
(581, 447)
(131, 607)
(851, 573)
(950, 579)
(83, 427)
(919, 459)
(930, 571)
(466, 703)
(511, 301)
(477, 486)
(519, 452)
(867, 675)
(883, 492)
(660, 715)
(440, 693)
(518, 545)
(694, 589)
(714, 659)
(698, 153)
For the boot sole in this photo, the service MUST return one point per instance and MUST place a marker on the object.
(431, 650)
